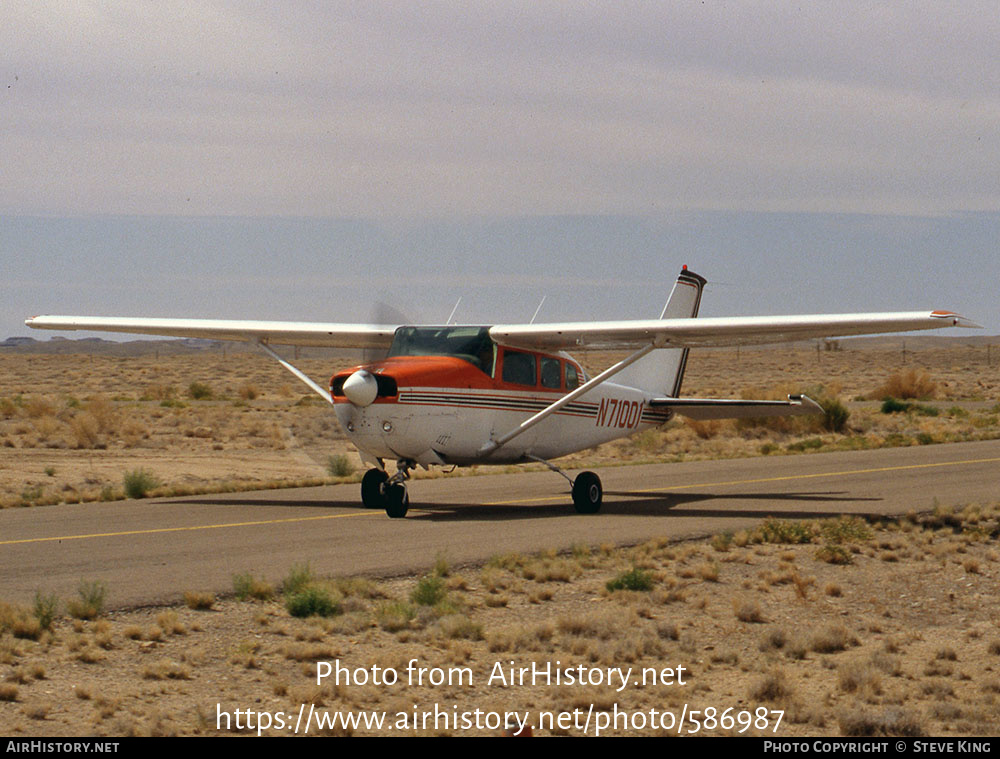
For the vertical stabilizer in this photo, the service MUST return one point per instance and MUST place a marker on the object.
(661, 372)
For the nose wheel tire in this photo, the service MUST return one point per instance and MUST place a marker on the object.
(397, 501)
(587, 493)
(372, 489)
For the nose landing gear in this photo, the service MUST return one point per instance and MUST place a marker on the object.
(380, 491)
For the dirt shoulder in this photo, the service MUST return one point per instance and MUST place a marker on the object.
(888, 629)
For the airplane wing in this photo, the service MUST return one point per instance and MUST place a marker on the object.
(275, 333)
(716, 332)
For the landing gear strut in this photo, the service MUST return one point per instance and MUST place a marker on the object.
(397, 500)
(588, 493)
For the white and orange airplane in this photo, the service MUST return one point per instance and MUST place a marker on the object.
(460, 395)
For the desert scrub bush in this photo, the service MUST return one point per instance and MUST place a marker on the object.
(846, 530)
(45, 609)
(835, 413)
(139, 482)
(245, 586)
(90, 603)
(429, 591)
(722, 541)
(633, 579)
(895, 406)
(199, 391)
(785, 531)
(394, 616)
(298, 578)
(312, 601)
(339, 466)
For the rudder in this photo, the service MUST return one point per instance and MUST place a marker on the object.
(662, 371)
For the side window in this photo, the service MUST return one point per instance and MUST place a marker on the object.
(572, 381)
(519, 368)
(551, 373)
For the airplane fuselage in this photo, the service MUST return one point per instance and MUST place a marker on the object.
(446, 409)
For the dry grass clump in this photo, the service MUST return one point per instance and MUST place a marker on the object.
(748, 611)
(8, 692)
(914, 383)
(773, 686)
(245, 586)
(521, 638)
(90, 603)
(393, 616)
(832, 639)
(460, 627)
(19, 622)
(887, 721)
(199, 601)
(862, 678)
(166, 670)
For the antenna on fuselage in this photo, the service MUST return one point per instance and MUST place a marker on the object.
(537, 310)
(452, 314)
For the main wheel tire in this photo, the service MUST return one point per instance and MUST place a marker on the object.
(587, 493)
(372, 494)
(397, 501)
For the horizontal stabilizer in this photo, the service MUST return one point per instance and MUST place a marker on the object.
(735, 408)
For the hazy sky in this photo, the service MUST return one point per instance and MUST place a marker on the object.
(302, 159)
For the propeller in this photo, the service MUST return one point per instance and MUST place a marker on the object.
(382, 313)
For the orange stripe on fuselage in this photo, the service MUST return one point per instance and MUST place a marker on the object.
(439, 371)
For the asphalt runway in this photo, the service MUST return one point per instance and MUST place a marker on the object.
(153, 550)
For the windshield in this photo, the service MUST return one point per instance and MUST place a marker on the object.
(472, 344)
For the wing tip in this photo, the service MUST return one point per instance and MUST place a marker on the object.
(957, 320)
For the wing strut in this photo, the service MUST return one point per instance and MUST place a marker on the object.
(324, 394)
(527, 424)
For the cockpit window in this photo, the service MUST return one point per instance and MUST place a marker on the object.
(518, 367)
(551, 373)
(571, 379)
(472, 344)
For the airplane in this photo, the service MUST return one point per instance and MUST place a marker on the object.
(468, 394)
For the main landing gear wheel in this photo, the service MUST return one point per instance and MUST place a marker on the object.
(587, 493)
(397, 501)
(372, 489)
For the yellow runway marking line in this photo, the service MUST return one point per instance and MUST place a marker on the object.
(184, 529)
(815, 475)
